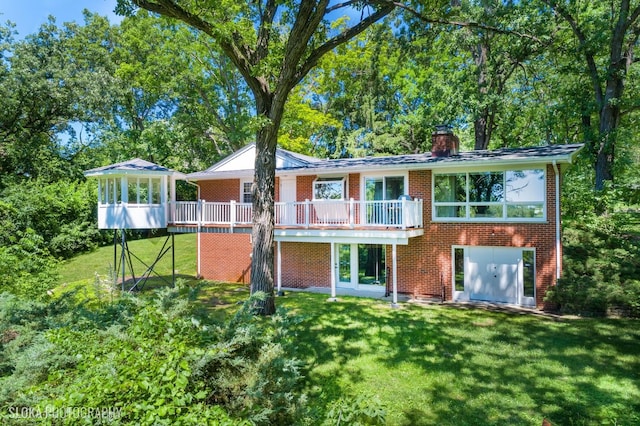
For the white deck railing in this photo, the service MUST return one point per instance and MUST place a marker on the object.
(398, 214)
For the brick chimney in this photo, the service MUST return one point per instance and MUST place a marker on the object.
(443, 142)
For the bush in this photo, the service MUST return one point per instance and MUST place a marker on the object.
(62, 213)
(601, 268)
(26, 268)
(251, 370)
(157, 360)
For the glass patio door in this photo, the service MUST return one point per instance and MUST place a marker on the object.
(382, 188)
(361, 265)
(344, 265)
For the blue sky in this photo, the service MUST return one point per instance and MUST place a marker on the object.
(28, 15)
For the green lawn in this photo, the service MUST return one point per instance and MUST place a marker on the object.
(81, 270)
(446, 365)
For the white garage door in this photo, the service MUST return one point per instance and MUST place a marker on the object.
(494, 274)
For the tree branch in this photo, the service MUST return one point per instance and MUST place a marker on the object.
(582, 40)
(239, 54)
(465, 24)
(346, 35)
(264, 34)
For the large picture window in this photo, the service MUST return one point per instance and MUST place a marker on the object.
(329, 189)
(491, 195)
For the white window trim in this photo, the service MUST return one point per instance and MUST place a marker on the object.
(324, 179)
(504, 203)
(364, 176)
(242, 182)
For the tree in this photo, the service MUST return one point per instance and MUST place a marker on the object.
(50, 80)
(273, 45)
(606, 34)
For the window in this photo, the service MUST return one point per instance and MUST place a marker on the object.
(384, 188)
(371, 264)
(458, 261)
(528, 273)
(144, 190)
(132, 190)
(246, 196)
(377, 191)
(490, 195)
(110, 191)
(329, 189)
(450, 195)
(156, 197)
(525, 193)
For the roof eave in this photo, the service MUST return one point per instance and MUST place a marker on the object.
(122, 172)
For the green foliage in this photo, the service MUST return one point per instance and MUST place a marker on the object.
(26, 267)
(249, 371)
(61, 213)
(55, 77)
(363, 410)
(156, 360)
(601, 266)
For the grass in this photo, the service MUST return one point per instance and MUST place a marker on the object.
(81, 270)
(454, 366)
(447, 365)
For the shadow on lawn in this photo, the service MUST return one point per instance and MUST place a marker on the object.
(470, 366)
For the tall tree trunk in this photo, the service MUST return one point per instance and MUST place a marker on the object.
(609, 118)
(482, 129)
(263, 192)
(481, 125)
(271, 108)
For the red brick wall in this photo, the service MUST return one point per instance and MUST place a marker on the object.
(354, 186)
(424, 266)
(220, 190)
(306, 265)
(304, 187)
(225, 257)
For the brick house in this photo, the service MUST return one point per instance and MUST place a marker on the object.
(462, 226)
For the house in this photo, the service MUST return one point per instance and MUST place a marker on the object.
(461, 226)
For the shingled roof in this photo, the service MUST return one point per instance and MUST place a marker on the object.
(133, 165)
(562, 154)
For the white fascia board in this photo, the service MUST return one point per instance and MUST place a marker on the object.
(203, 176)
(479, 164)
(344, 236)
(116, 172)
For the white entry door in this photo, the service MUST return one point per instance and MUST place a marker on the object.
(287, 212)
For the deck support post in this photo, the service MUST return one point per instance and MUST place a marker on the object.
(333, 272)
(394, 257)
(279, 254)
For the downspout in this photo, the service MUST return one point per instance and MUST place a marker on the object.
(558, 241)
(198, 233)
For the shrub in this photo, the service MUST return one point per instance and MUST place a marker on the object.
(251, 370)
(62, 213)
(26, 268)
(157, 359)
(601, 268)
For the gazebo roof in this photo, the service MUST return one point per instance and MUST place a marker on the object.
(132, 167)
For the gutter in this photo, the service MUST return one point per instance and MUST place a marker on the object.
(558, 241)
